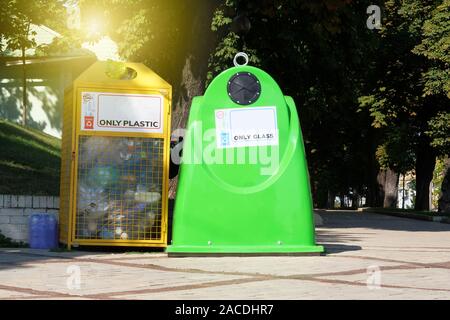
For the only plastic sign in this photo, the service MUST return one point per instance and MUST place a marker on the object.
(122, 112)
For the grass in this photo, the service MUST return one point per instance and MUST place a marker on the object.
(29, 161)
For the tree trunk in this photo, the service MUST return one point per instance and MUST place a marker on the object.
(342, 201)
(444, 198)
(24, 88)
(403, 190)
(198, 46)
(375, 193)
(388, 187)
(379, 191)
(320, 194)
(425, 164)
(330, 199)
(355, 200)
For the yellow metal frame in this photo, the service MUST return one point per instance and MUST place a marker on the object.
(67, 167)
(76, 91)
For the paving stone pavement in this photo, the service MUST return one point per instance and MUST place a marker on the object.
(369, 256)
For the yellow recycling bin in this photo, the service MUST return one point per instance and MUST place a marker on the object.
(115, 159)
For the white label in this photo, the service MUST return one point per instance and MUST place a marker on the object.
(246, 127)
(122, 112)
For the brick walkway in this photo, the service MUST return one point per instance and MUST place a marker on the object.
(369, 257)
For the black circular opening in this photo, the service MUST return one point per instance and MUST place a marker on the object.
(119, 71)
(244, 88)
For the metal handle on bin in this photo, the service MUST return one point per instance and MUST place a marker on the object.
(240, 55)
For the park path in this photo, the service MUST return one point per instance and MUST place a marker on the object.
(369, 256)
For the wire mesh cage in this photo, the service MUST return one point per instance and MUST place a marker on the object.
(114, 180)
(120, 181)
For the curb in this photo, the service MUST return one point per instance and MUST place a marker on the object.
(409, 215)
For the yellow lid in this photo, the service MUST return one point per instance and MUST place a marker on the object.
(95, 76)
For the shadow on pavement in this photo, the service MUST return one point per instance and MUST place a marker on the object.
(330, 235)
(354, 219)
(335, 242)
(11, 258)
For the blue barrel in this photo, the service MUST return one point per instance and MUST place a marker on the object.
(43, 231)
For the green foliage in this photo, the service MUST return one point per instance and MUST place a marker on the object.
(437, 81)
(436, 34)
(156, 33)
(220, 20)
(393, 154)
(438, 178)
(406, 102)
(133, 23)
(17, 16)
(29, 161)
(224, 54)
(439, 131)
(362, 95)
(319, 53)
(377, 107)
(435, 46)
(135, 33)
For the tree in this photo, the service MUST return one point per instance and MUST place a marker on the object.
(318, 57)
(435, 47)
(394, 159)
(399, 102)
(172, 37)
(360, 93)
(444, 198)
(16, 19)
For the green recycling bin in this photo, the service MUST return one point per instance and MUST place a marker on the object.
(243, 185)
